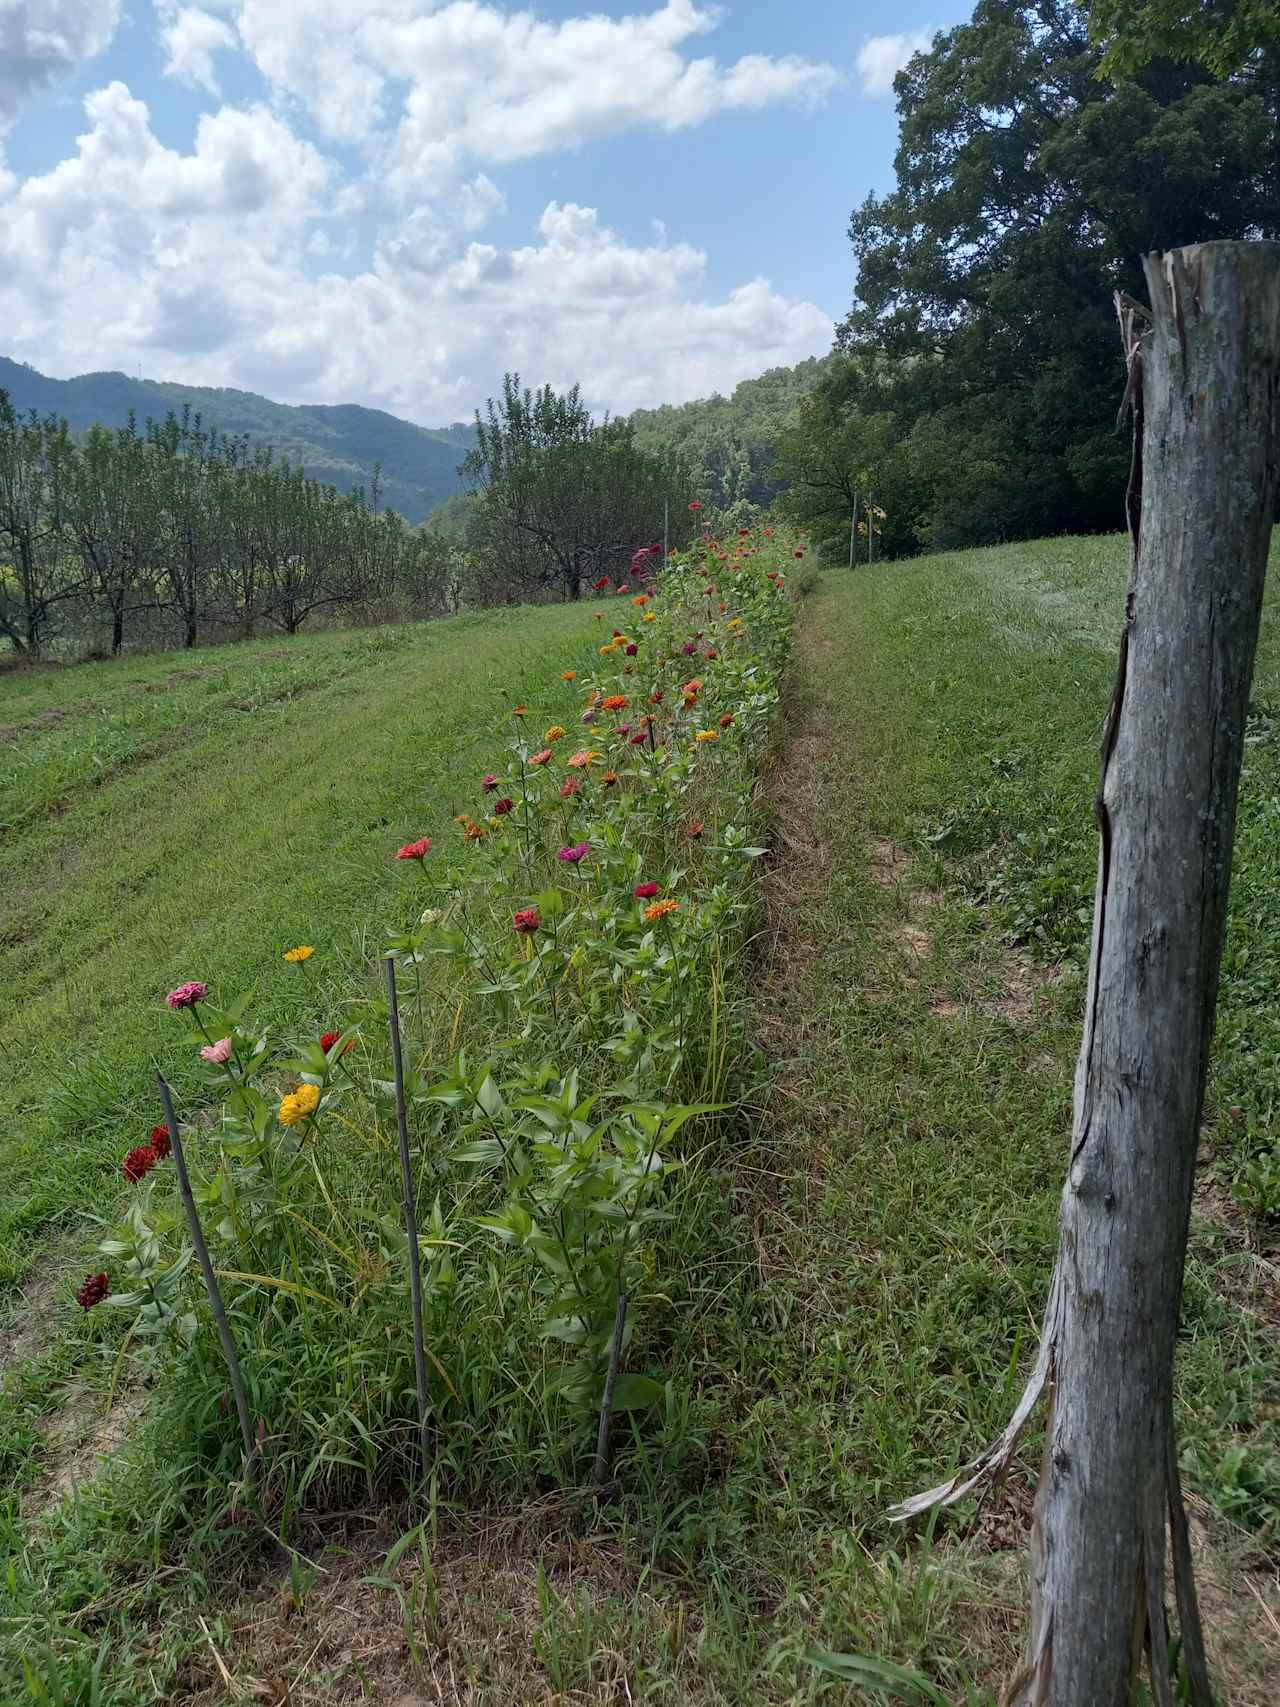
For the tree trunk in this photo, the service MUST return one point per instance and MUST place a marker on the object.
(1205, 379)
(117, 632)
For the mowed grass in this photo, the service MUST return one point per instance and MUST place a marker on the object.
(192, 816)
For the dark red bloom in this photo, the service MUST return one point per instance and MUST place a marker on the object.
(329, 1038)
(645, 891)
(798, 554)
(140, 1160)
(639, 740)
(160, 1141)
(94, 1289)
(527, 922)
(600, 585)
(502, 807)
(631, 650)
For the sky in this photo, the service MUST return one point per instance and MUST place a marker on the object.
(392, 202)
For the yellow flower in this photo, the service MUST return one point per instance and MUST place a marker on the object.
(296, 955)
(606, 650)
(660, 909)
(555, 733)
(299, 1105)
(736, 623)
(568, 675)
(707, 735)
(649, 616)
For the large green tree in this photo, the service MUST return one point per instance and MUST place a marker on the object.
(1028, 188)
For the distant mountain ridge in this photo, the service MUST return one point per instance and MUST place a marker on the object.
(338, 443)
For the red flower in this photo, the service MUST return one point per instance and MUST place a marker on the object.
(695, 505)
(527, 922)
(571, 787)
(140, 1160)
(798, 554)
(695, 830)
(502, 807)
(639, 740)
(624, 588)
(600, 585)
(94, 1289)
(415, 850)
(160, 1141)
(645, 891)
(631, 650)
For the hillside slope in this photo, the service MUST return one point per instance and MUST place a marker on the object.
(336, 443)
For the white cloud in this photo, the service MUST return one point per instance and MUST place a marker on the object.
(882, 57)
(479, 202)
(471, 81)
(44, 40)
(191, 37)
(204, 265)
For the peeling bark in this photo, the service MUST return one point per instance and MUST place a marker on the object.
(1205, 384)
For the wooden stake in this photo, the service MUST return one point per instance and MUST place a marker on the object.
(210, 1279)
(410, 1219)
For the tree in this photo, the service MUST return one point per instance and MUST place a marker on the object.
(110, 523)
(562, 499)
(35, 461)
(1027, 190)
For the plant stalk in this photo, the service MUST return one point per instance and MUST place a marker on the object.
(410, 1218)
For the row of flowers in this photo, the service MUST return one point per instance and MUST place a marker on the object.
(581, 913)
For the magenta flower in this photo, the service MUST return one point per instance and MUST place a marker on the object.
(502, 807)
(631, 650)
(645, 891)
(688, 648)
(571, 856)
(489, 783)
(219, 1053)
(187, 995)
(589, 716)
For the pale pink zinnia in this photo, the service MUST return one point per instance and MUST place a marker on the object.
(219, 1053)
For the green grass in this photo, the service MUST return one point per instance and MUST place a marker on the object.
(862, 1283)
(194, 817)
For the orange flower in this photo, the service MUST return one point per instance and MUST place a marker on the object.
(555, 733)
(475, 832)
(642, 601)
(609, 778)
(693, 687)
(726, 719)
(660, 909)
(568, 675)
(580, 760)
(519, 710)
(462, 819)
(711, 652)
(614, 702)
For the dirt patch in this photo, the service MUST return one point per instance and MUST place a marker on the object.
(80, 1437)
(524, 1610)
(29, 1323)
(1239, 1609)
(46, 720)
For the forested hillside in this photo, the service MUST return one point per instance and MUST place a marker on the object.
(338, 444)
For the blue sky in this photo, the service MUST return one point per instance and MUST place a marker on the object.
(391, 201)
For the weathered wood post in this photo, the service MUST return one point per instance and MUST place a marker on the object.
(1205, 384)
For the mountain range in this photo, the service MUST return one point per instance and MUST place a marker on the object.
(336, 443)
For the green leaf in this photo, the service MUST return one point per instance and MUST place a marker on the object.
(636, 1393)
(893, 1681)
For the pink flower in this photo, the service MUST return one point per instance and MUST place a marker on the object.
(490, 783)
(187, 995)
(219, 1052)
(571, 856)
(688, 648)
(527, 921)
(645, 891)
(571, 787)
(415, 850)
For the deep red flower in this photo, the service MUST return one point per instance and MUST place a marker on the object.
(639, 740)
(415, 850)
(631, 650)
(160, 1141)
(93, 1290)
(798, 554)
(502, 807)
(140, 1160)
(645, 891)
(600, 585)
(527, 921)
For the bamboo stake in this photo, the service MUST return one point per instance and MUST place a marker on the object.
(410, 1218)
(210, 1280)
(606, 1403)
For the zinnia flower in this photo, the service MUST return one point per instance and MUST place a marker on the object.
(589, 715)
(140, 1160)
(655, 698)
(689, 648)
(187, 995)
(160, 1141)
(580, 760)
(631, 650)
(645, 891)
(489, 783)
(295, 956)
(660, 909)
(640, 600)
(571, 786)
(519, 710)
(555, 733)
(568, 675)
(710, 652)
(707, 735)
(92, 1290)
(798, 554)
(638, 740)
(298, 1105)
(329, 1038)
(572, 856)
(474, 833)
(649, 616)
(695, 505)
(542, 757)
(502, 807)
(600, 585)
(726, 719)
(219, 1053)
(614, 702)
(527, 921)
(609, 778)
(415, 850)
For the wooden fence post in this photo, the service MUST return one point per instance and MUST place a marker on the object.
(1205, 385)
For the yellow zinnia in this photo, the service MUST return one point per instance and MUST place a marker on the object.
(299, 1105)
(555, 733)
(707, 735)
(295, 955)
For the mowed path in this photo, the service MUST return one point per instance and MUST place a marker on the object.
(191, 817)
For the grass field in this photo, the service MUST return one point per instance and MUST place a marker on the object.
(856, 1323)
